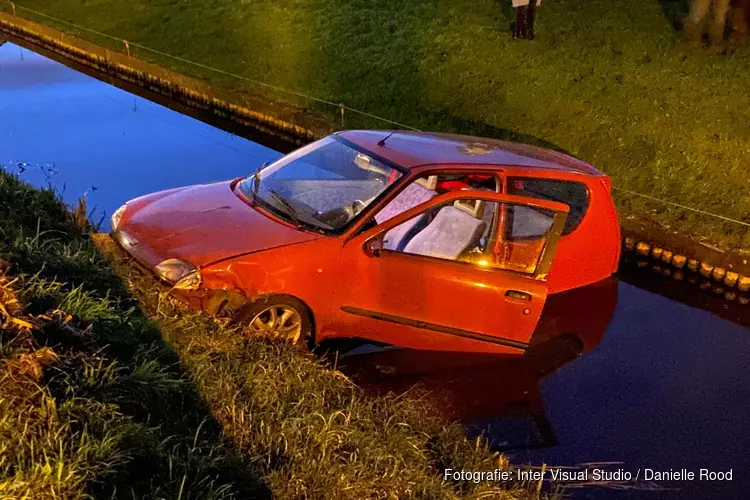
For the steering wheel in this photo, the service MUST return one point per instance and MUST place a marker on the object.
(338, 217)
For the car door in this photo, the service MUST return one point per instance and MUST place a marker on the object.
(447, 294)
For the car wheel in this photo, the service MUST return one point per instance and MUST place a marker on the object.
(277, 316)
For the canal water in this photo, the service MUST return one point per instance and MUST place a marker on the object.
(89, 138)
(660, 385)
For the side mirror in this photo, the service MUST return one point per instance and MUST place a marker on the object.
(373, 247)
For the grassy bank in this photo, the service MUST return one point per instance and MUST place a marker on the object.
(605, 81)
(108, 390)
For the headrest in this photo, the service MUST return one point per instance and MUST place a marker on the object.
(429, 182)
(475, 208)
(365, 163)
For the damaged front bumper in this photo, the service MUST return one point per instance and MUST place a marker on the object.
(217, 302)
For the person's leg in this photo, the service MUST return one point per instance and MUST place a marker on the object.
(721, 7)
(519, 30)
(698, 11)
(530, 17)
(743, 18)
(738, 17)
(694, 26)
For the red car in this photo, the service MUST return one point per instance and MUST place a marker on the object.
(423, 240)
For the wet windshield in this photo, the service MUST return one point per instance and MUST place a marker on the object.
(324, 185)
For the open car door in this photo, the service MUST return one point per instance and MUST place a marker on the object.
(444, 287)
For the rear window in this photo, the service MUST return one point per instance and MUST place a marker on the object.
(573, 194)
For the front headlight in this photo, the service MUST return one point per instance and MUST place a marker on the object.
(117, 217)
(181, 274)
(191, 281)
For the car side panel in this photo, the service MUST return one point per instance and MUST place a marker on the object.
(453, 306)
(316, 273)
(588, 254)
(591, 252)
(307, 271)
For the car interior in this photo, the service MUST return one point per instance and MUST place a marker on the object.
(448, 231)
(414, 194)
(491, 234)
(454, 231)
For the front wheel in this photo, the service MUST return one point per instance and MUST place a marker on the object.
(277, 316)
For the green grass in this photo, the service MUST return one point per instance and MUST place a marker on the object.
(118, 393)
(605, 81)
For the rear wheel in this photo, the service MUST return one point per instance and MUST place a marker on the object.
(277, 316)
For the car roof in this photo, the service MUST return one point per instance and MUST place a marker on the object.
(414, 149)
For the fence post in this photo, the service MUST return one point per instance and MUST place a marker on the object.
(341, 107)
(13, 5)
(127, 47)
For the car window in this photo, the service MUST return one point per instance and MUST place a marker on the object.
(574, 194)
(332, 160)
(527, 223)
(468, 231)
(524, 238)
(324, 185)
(428, 186)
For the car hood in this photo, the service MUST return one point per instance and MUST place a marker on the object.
(201, 225)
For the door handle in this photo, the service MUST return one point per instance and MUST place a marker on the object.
(518, 295)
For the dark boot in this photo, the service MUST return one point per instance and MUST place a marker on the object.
(530, 17)
(519, 28)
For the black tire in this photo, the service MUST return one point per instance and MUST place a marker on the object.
(252, 309)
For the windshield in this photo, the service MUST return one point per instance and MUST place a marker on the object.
(324, 185)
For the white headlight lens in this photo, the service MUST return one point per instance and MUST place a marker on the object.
(117, 217)
(173, 270)
(191, 281)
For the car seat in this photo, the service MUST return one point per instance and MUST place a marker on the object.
(414, 194)
(452, 232)
(484, 211)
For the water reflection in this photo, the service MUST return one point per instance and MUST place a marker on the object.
(86, 137)
(687, 287)
(497, 396)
